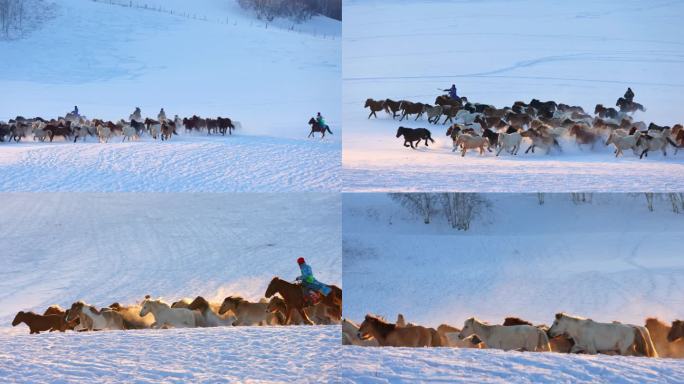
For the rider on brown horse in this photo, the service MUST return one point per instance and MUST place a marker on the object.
(312, 288)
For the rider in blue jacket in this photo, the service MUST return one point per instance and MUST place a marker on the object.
(308, 280)
(452, 92)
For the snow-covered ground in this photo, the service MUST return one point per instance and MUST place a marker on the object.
(227, 354)
(497, 52)
(610, 259)
(208, 58)
(100, 248)
(451, 365)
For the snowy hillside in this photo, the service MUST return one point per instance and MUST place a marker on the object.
(429, 365)
(232, 354)
(610, 259)
(101, 248)
(578, 53)
(108, 59)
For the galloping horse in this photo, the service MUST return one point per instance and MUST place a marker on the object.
(315, 127)
(294, 298)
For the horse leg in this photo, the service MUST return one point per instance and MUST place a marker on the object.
(305, 318)
(311, 133)
(528, 149)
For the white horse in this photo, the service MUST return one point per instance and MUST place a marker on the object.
(165, 316)
(515, 337)
(510, 142)
(593, 337)
(129, 132)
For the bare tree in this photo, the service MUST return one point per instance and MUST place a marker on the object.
(461, 208)
(424, 204)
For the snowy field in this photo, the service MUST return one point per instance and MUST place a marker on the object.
(59, 248)
(452, 365)
(498, 52)
(208, 58)
(608, 259)
(232, 354)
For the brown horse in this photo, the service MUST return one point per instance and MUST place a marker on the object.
(318, 313)
(40, 323)
(663, 346)
(225, 125)
(294, 298)
(392, 106)
(389, 335)
(447, 100)
(408, 108)
(583, 135)
(375, 106)
(315, 127)
(676, 332)
(57, 310)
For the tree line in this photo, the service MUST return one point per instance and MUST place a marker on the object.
(297, 10)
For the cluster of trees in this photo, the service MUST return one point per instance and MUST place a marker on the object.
(458, 208)
(11, 15)
(297, 10)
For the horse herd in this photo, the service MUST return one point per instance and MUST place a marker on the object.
(284, 304)
(73, 127)
(567, 334)
(484, 127)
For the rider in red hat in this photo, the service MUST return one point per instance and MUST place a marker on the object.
(309, 281)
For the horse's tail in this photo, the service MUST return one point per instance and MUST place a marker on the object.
(643, 344)
(543, 341)
(328, 129)
(672, 142)
(429, 136)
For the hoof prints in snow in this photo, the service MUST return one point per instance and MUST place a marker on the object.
(256, 164)
(225, 354)
(416, 365)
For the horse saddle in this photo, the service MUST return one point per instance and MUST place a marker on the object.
(311, 297)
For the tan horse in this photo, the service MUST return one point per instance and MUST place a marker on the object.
(131, 316)
(208, 313)
(349, 335)
(515, 337)
(389, 335)
(450, 336)
(466, 142)
(248, 313)
(560, 344)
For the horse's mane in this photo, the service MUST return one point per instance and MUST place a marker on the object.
(565, 315)
(382, 326)
(236, 299)
(515, 321)
(199, 303)
(655, 321)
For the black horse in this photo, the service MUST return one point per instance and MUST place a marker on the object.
(412, 135)
(315, 127)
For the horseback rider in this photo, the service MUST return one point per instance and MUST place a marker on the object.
(452, 92)
(137, 115)
(75, 111)
(629, 95)
(309, 282)
(320, 120)
(161, 116)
